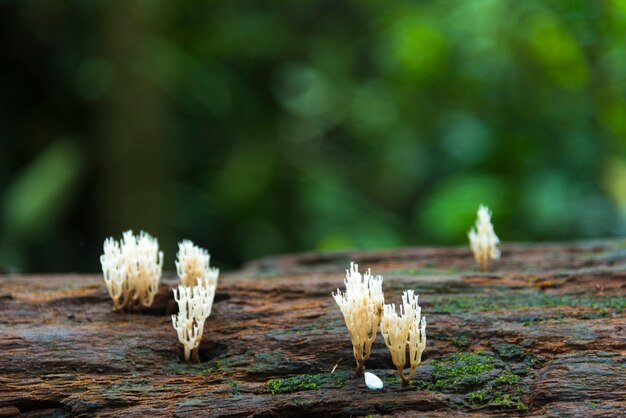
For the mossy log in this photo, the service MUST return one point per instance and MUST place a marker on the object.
(543, 333)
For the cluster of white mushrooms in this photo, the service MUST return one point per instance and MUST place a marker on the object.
(132, 270)
(363, 307)
(194, 297)
(408, 328)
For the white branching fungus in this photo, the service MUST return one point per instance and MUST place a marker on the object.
(361, 305)
(483, 239)
(372, 381)
(192, 264)
(408, 328)
(132, 269)
(194, 307)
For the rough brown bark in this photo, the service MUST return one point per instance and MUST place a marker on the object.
(549, 319)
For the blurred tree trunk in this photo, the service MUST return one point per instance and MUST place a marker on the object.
(134, 125)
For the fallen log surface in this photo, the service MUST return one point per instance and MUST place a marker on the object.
(543, 333)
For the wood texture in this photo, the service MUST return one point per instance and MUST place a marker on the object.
(542, 334)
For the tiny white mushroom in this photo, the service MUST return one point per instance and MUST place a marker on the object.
(372, 381)
(483, 240)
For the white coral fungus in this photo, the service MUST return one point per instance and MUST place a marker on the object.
(408, 328)
(483, 239)
(192, 264)
(194, 307)
(132, 269)
(361, 305)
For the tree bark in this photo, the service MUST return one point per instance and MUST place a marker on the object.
(542, 333)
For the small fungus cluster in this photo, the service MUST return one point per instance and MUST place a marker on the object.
(194, 297)
(194, 307)
(363, 308)
(483, 240)
(132, 270)
(408, 328)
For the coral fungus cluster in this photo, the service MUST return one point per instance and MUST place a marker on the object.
(361, 305)
(194, 307)
(194, 297)
(363, 308)
(408, 328)
(483, 240)
(132, 270)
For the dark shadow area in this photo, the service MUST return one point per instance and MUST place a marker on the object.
(41, 408)
(210, 350)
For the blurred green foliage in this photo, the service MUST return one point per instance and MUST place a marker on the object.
(261, 127)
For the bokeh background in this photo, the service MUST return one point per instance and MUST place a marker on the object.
(256, 128)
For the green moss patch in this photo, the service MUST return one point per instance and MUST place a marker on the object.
(225, 364)
(507, 400)
(234, 387)
(481, 379)
(508, 351)
(461, 370)
(306, 382)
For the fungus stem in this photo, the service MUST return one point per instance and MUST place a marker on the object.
(195, 358)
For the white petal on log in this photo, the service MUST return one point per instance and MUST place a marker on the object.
(372, 381)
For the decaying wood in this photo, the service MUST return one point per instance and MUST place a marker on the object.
(543, 333)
